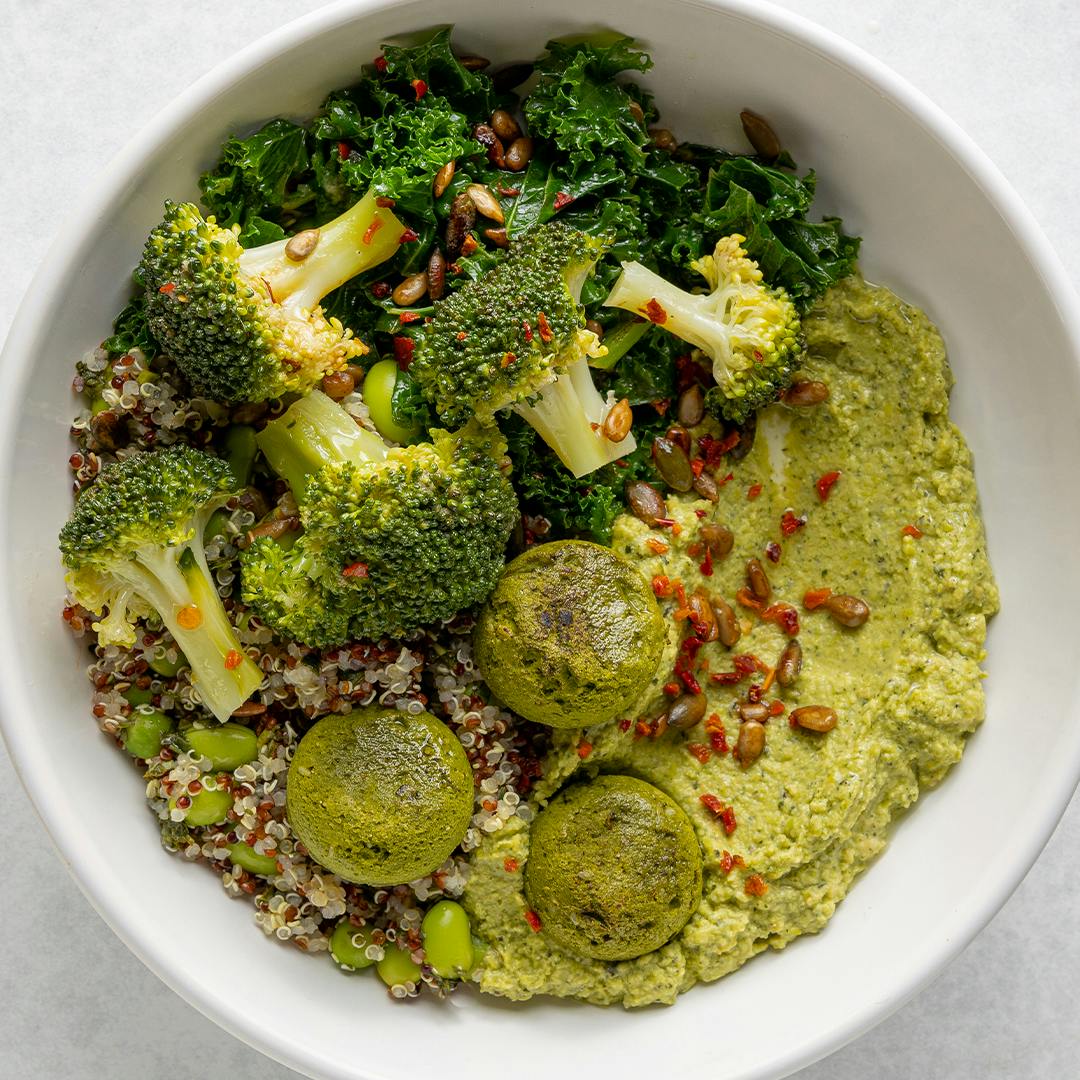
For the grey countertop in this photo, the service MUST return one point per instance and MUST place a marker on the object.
(76, 81)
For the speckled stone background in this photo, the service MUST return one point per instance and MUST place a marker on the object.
(77, 79)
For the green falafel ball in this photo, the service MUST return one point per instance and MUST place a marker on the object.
(571, 636)
(614, 868)
(379, 796)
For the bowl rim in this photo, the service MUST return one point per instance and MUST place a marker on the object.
(44, 289)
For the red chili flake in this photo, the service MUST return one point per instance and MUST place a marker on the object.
(785, 616)
(534, 921)
(706, 567)
(167, 288)
(790, 524)
(509, 192)
(814, 598)
(776, 708)
(712, 804)
(755, 886)
(510, 864)
(726, 814)
(654, 312)
(584, 749)
(688, 371)
(542, 324)
(371, 230)
(727, 862)
(672, 689)
(700, 514)
(343, 150)
(773, 551)
(403, 351)
(420, 87)
(661, 586)
(409, 236)
(728, 818)
(747, 663)
(913, 531)
(380, 62)
(662, 405)
(713, 449)
(461, 335)
(697, 467)
(408, 317)
(355, 570)
(688, 679)
(727, 479)
(528, 330)
(385, 202)
(233, 660)
(753, 491)
(718, 740)
(508, 359)
(624, 725)
(561, 200)
(700, 751)
(657, 547)
(726, 678)
(825, 484)
(664, 523)
(755, 693)
(469, 244)
(381, 290)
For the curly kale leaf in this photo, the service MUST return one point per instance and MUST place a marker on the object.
(578, 105)
(434, 63)
(577, 508)
(130, 328)
(255, 179)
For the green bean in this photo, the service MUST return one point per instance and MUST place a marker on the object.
(347, 945)
(228, 746)
(208, 807)
(247, 858)
(397, 966)
(239, 450)
(165, 667)
(448, 940)
(133, 695)
(378, 393)
(143, 733)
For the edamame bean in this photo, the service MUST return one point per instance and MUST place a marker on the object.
(165, 667)
(228, 746)
(247, 858)
(208, 807)
(133, 695)
(448, 940)
(378, 392)
(397, 967)
(347, 945)
(239, 450)
(143, 734)
(218, 525)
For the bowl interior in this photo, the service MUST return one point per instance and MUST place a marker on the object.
(939, 227)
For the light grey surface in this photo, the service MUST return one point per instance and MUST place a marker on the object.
(76, 82)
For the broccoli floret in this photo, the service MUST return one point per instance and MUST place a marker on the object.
(133, 547)
(749, 330)
(246, 325)
(394, 538)
(516, 337)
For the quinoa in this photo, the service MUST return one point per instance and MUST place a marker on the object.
(138, 404)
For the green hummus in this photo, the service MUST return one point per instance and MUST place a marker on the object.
(814, 809)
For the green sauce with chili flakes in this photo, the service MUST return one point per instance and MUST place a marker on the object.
(815, 808)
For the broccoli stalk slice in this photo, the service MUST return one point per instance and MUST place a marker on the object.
(313, 432)
(568, 414)
(178, 583)
(364, 236)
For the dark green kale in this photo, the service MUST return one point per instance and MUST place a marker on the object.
(131, 330)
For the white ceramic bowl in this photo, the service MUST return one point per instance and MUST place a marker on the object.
(940, 226)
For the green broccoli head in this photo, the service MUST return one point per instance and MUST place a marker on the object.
(394, 538)
(517, 337)
(749, 330)
(287, 586)
(245, 324)
(133, 547)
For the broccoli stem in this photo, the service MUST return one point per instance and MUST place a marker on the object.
(177, 581)
(313, 432)
(568, 414)
(618, 341)
(362, 237)
(690, 316)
